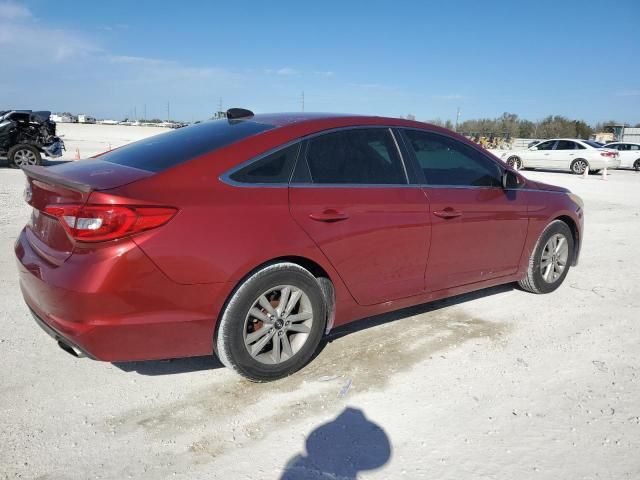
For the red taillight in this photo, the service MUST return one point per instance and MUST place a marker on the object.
(609, 154)
(98, 223)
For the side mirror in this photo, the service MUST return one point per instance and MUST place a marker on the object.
(510, 180)
(533, 149)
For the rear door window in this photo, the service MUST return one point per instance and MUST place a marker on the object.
(566, 145)
(167, 150)
(446, 161)
(357, 156)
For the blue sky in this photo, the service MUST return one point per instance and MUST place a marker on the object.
(575, 58)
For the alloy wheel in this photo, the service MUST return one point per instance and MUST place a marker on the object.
(24, 157)
(555, 256)
(278, 324)
(514, 162)
(579, 166)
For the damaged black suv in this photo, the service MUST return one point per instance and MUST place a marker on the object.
(26, 135)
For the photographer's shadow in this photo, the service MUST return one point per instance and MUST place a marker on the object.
(340, 449)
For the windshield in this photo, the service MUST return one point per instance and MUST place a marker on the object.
(593, 144)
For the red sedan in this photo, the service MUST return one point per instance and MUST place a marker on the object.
(252, 237)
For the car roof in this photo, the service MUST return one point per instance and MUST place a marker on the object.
(323, 119)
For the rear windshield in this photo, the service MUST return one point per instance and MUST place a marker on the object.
(593, 144)
(166, 150)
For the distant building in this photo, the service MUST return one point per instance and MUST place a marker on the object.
(617, 133)
(64, 118)
(82, 118)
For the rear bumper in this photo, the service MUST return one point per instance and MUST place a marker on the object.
(63, 341)
(114, 304)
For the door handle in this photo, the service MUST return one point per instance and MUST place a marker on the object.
(329, 215)
(448, 213)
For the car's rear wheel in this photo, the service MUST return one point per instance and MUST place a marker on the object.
(579, 165)
(23, 155)
(636, 165)
(550, 260)
(514, 162)
(273, 323)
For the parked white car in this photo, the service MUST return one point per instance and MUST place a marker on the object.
(564, 154)
(628, 152)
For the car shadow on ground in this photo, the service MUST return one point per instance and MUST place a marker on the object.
(211, 362)
(341, 448)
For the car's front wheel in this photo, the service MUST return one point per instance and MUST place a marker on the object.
(23, 155)
(273, 323)
(636, 165)
(550, 260)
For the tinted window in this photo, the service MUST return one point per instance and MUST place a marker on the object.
(566, 145)
(274, 168)
(363, 155)
(166, 150)
(546, 145)
(446, 161)
(593, 144)
(634, 147)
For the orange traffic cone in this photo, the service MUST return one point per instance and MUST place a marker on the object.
(604, 173)
(77, 154)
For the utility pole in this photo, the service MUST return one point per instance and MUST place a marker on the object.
(220, 104)
(302, 99)
(168, 111)
(457, 118)
(145, 111)
(135, 113)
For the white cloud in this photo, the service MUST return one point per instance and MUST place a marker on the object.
(325, 74)
(23, 41)
(13, 11)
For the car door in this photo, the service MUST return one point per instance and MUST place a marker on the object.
(541, 156)
(564, 153)
(632, 155)
(628, 153)
(478, 229)
(350, 193)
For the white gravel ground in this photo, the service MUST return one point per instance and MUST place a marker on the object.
(498, 384)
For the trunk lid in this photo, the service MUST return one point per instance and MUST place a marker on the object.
(71, 183)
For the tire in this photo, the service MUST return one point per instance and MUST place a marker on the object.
(594, 172)
(254, 307)
(514, 162)
(636, 165)
(579, 165)
(22, 155)
(536, 281)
